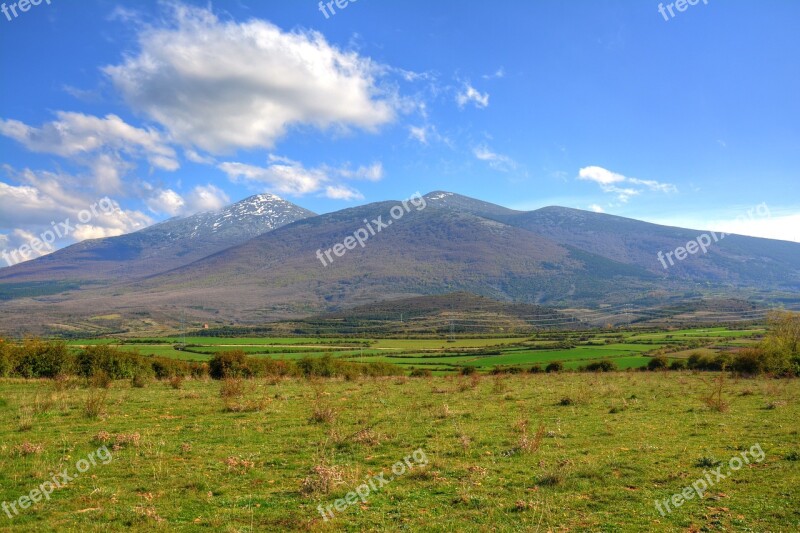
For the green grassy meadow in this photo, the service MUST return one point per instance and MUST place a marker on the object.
(544, 452)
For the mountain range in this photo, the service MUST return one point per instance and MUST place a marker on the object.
(257, 261)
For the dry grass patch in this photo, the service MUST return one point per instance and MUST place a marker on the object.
(28, 448)
(322, 479)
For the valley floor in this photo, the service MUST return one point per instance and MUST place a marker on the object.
(545, 452)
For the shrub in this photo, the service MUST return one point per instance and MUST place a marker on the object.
(7, 358)
(118, 365)
(700, 362)
(749, 361)
(377, 369)
(40, 359)
(421, 373)
(326, 367)
(165, 368)
(317, 366)
(227, 365)
(200, 370)
(677, 364)
(535, 369)
(139, 380)
(657, 363)
(95, 403)
(176, 382)
(601, 366)
(555, 366)
(531, 444)
(720, 362)
(468, 370)
(322, 413)
(695, 361)
(100, 380)
(782, 343)
(715, 400)
(232, 388)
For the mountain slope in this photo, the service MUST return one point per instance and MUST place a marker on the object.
(161, 247)
(735, 259)
(552, 256)
(433, 251)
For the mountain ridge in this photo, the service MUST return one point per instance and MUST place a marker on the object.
(556, 257)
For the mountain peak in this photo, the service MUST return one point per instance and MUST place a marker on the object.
(459, 202)
(265, 204)
(439, 195)
(263, 197)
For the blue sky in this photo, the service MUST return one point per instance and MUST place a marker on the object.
(169, 108)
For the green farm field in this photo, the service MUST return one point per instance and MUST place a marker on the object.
(628, 349)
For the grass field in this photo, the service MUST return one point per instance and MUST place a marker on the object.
(545, 452)
(628, 349)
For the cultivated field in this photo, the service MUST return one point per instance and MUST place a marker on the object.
(544, 452)
(443, 355)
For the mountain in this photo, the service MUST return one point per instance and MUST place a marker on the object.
(443, 243)
(158, 248)
(734, 259)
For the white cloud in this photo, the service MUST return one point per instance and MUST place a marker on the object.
(166, 201)
(654, 185)
(24, 204)
(76, 134)
(373, 172)
(499, 73)
(623, 193)
(103, 146)
(469, 94)
(427, 134)
(200, 199)
(418, 133)
(206, 198)
(222, 85)
(342, 192)
(43, 201)
(88, 231)
(107, 171)
(608, 181)
(600, 175)
(196, 157)
(11, 254)
(282, 175)
(496, 161)
(285, 176)
(596, 208)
